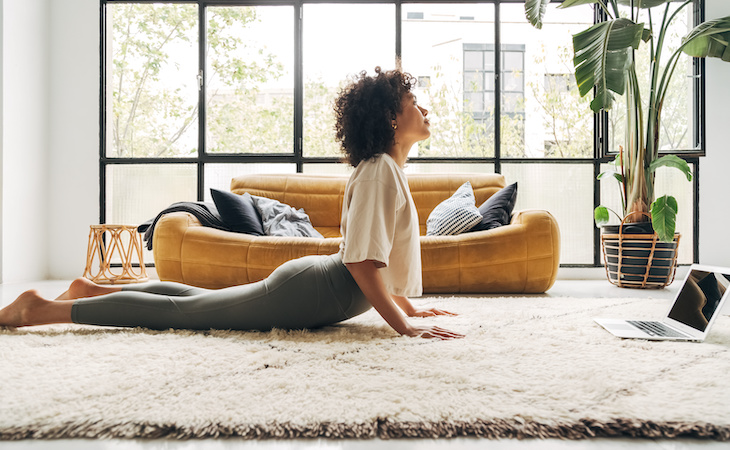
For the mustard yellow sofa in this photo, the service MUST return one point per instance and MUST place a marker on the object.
(521, 257)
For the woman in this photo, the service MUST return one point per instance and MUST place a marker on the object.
(379, 265)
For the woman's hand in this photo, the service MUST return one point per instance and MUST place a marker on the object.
(411, 311)
(429, 312)
(431, 332)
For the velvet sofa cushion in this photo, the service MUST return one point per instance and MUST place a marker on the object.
(497, 210)
(238, 212)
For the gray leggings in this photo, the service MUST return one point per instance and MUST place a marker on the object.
(308, 292)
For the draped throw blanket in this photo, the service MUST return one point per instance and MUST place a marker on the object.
(205, 212)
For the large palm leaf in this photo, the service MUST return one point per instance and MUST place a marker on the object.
(709, 39)
(602, 59)
(535, 11)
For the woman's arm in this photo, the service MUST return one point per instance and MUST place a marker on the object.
(368, 278)
(411, 311)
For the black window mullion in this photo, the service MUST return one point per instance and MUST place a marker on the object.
(497, 88)
(102, 111)
(600, 150)
(202, 39)
(298, 85)
(698, 68)
(398, 32)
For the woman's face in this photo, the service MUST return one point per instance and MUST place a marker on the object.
(411, 122)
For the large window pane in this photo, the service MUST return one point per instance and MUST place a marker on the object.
(543, 115)
(138, 192)
(328, 169)
(450, 48)
(565, 190)
(152, 86)
(250, 79)
(677, 130)
(219, 176)
(441, 168)
(339, 40)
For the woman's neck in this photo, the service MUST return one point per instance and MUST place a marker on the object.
(399, 153)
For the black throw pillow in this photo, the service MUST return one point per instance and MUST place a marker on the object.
(497, 210)
(238, 212)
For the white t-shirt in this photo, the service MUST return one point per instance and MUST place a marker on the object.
(380, 223)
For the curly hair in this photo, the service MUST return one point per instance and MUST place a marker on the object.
(365, 109)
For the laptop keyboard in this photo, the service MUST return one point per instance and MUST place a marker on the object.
(656, 328)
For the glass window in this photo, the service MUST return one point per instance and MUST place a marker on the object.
(562, 189)
(219, 176)
(272, 70)
(677, 130)
(339, 40)
(152, 96)
(250, 79)
(454, 53)
(553, 120)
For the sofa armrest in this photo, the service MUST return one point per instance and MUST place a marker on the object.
(543, 248)
(167, 239)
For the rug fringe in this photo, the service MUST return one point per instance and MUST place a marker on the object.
(381, 428)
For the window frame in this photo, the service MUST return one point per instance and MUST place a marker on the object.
(600, 129)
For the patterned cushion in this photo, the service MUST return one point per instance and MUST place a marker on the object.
(454, 215)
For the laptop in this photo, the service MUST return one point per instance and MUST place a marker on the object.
(694, 310)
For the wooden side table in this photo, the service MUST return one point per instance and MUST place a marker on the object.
(109, 241)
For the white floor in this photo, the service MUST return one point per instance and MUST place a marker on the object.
(564, 287)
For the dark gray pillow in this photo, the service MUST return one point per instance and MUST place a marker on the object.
(238, 212)
(497, 210)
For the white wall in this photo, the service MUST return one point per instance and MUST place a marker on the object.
(2, 84)
(73, 150)
(50, 138)
(25, 90)
(714, 168)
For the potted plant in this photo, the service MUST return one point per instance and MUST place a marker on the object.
(605, 64)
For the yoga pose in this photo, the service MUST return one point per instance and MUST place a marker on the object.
(378, 265)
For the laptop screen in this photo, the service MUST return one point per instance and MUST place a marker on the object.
(699, 298)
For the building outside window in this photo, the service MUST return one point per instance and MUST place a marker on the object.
(194, 95)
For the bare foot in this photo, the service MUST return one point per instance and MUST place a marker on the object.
(83, 287)
(20, 312)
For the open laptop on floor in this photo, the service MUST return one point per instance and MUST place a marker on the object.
(694, 310)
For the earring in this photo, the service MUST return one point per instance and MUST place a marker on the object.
(395, 126)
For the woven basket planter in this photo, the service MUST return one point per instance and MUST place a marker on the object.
(638, 260)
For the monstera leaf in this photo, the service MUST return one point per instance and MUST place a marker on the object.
(602, 58)
(535, 11)
(709, 39)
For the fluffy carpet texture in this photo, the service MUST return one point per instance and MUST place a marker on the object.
(529, 367)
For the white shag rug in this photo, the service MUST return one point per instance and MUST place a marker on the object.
(528, 367)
